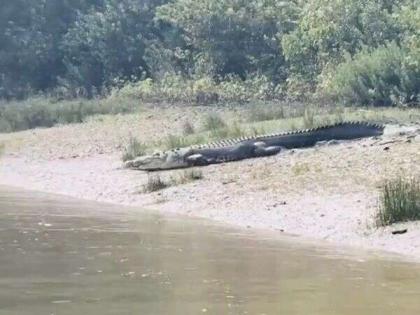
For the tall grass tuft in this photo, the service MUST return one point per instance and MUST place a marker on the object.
(233, 131)
(214, 121)
(2, 148)
(154, 183)
(263, 112)
(399, 201)
(309, 118)
(174, 142)
(133, 149)
(188, 128)
(187, 176)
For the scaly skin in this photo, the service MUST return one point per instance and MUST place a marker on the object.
(251, 147)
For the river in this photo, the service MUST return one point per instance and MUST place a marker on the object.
(63, 256)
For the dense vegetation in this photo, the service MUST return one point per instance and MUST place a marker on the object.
(350, 51)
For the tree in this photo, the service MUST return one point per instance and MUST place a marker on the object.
(30, 33)
(109, 44)
(329, 29)
(233, 36)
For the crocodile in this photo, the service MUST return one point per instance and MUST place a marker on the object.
(252, 147)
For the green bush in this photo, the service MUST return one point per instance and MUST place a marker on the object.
(389, 75)
(328, 29)
(399, 201)
(175, 88)
(232, 37)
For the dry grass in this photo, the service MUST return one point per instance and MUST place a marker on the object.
(263, 112)
(188, 128)
(187, 176)
(214, 121)
(154, 183)
(133, 149)
(2, 148)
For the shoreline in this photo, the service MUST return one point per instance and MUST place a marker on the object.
(319, 213)
(333, 249)
(327, 193)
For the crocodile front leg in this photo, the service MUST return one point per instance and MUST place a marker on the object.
(198, 160)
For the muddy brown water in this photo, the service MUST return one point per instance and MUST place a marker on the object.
(61, 256)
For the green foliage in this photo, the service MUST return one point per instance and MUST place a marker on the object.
(232, 36)
(328, 29)
(388, 75)
(177, 88)
(110, 44)
(30, 35)
(399, 201)
(203, 52)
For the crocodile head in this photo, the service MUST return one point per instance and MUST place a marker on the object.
(160, 161)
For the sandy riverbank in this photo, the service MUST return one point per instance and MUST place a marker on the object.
(329, 192)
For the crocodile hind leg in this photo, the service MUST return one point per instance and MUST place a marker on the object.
(261, 149)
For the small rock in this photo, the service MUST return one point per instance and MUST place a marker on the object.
(276, 204)
(334, 142)
(386, 149)
(403, 231)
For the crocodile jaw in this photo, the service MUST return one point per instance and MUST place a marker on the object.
(161, 161)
